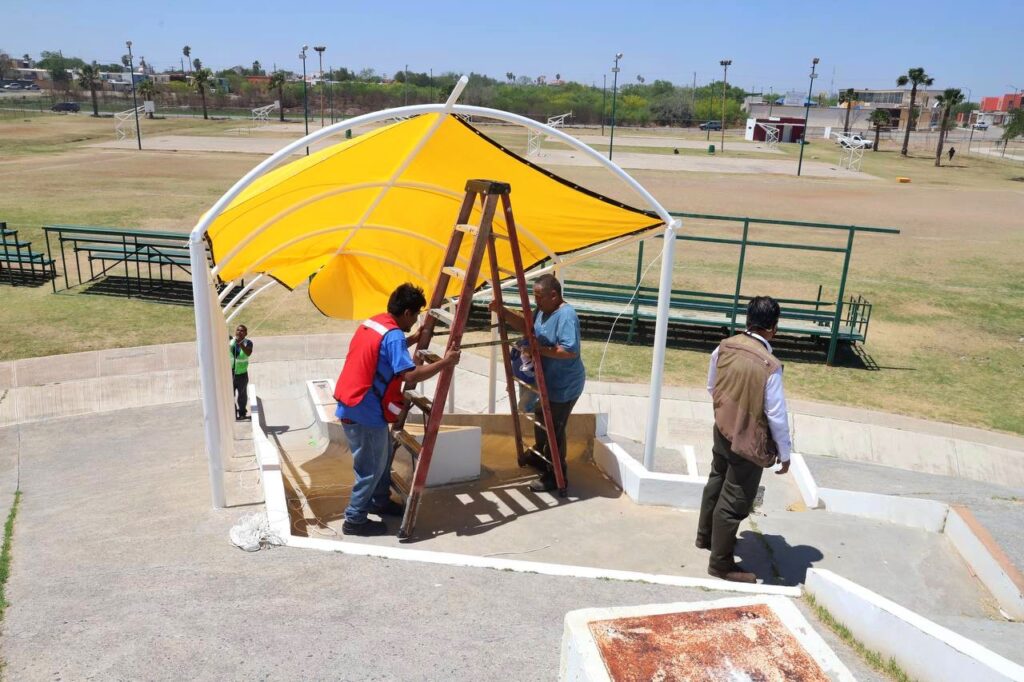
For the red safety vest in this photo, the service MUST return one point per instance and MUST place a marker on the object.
(359, 374)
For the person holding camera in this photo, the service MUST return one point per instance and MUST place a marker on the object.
(240, 348)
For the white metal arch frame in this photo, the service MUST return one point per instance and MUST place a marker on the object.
(210, 330)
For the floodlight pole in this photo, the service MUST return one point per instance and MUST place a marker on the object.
(305, 98)
(615, 87)
(604, 99)
(135, 102)
(320, 53)
(771, 100)
(725, 84)
(331, 91)
(807, 115)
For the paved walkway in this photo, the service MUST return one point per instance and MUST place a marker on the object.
(122, 571)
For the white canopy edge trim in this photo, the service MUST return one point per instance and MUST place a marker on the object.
(249, 300)
(241, 293)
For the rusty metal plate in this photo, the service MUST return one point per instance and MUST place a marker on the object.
(734, 643)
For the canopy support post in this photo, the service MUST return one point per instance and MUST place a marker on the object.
(218, 441)
(660, 339)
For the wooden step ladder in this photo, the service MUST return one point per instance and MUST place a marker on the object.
(489, 193)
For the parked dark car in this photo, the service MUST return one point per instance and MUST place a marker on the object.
(711, 125)
(66, 106)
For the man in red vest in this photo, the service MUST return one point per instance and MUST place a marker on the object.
(369, 395)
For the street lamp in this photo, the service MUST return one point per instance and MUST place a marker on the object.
(615, 87)
(725, 80)
(604, 99)
(305, 99)
(320, 53)
(771, 99)
(807, 115)
(135, 102)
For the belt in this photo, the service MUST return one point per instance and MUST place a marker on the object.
(347, 421)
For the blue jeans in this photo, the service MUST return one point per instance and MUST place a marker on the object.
(371, 455)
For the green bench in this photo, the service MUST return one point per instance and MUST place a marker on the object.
(19, 264)
(150, 257)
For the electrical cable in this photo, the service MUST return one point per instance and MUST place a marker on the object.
(600, 366)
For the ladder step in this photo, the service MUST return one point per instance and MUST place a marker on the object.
(498, 235)
(442, 315)
(533, 420)
(419, 400)
(535, 453)
(522, 383)
(455, 272)
(507, 273)
(429, 356)
(405, 439)
(468, 229)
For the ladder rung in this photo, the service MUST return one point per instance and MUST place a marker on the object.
(429, 356)
(498, 235)
(522, 383)
(533, 420)
(442, 315)
(452, 271)
(419, 400)
(533, 451)
(468, 229)
(401, 485)
(405, 439)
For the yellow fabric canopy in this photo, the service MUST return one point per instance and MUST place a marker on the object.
(372, 212)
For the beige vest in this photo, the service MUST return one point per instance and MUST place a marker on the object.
(744, 365)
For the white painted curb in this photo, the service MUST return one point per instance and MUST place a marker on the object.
(987, 560)
(905, 511)
(643, 486)
(581, 659)
(925, 650)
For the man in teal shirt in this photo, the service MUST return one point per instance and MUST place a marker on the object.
(558, 334)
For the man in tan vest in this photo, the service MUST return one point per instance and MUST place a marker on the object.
(751, 434)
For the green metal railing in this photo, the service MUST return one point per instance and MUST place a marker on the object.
(852, 313)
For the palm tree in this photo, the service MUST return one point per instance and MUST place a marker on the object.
(915, 77)
(847, 96)
(187, 51)
(277, 82)
(196, 64)
(949, 98)
(200, 80)
(878, 119)
(89, 78)
(147, 89)
(257, 68)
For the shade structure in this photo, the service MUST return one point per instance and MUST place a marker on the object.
(367, 214)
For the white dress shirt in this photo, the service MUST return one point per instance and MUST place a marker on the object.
(774, 402)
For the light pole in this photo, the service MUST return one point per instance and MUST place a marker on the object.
(615, 87)
(771, 99)
(604, 99)
(135, 102)
(807, 115)
(320, 53)
(725, 80)
(330, 89)
(305, 98)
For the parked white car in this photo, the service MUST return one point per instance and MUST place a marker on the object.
(854, 140)
(981, 125)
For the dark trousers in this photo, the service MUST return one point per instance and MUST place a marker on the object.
(560, 416)
(241, 382)
(728, 498)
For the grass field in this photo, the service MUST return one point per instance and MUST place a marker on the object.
(947, 329)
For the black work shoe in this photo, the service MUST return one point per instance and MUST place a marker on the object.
(390, 508)
(734, 576)
(365, 529)
(543, 485)
(702, 542)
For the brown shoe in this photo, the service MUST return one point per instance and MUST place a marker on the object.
(702, 542)
(734, 576)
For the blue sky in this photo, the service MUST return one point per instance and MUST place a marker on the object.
(862, 44)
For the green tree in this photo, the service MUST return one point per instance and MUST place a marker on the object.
(187, 51)
(4, 61)
(200, 80)
(916, 77)
(879, 119)
(277, 81)
(1013, 126)
(949, 98)
(147, 89)
(89, 79)
(847, 97)
(257, 69)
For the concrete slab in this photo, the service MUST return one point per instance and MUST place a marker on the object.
(122, 571)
